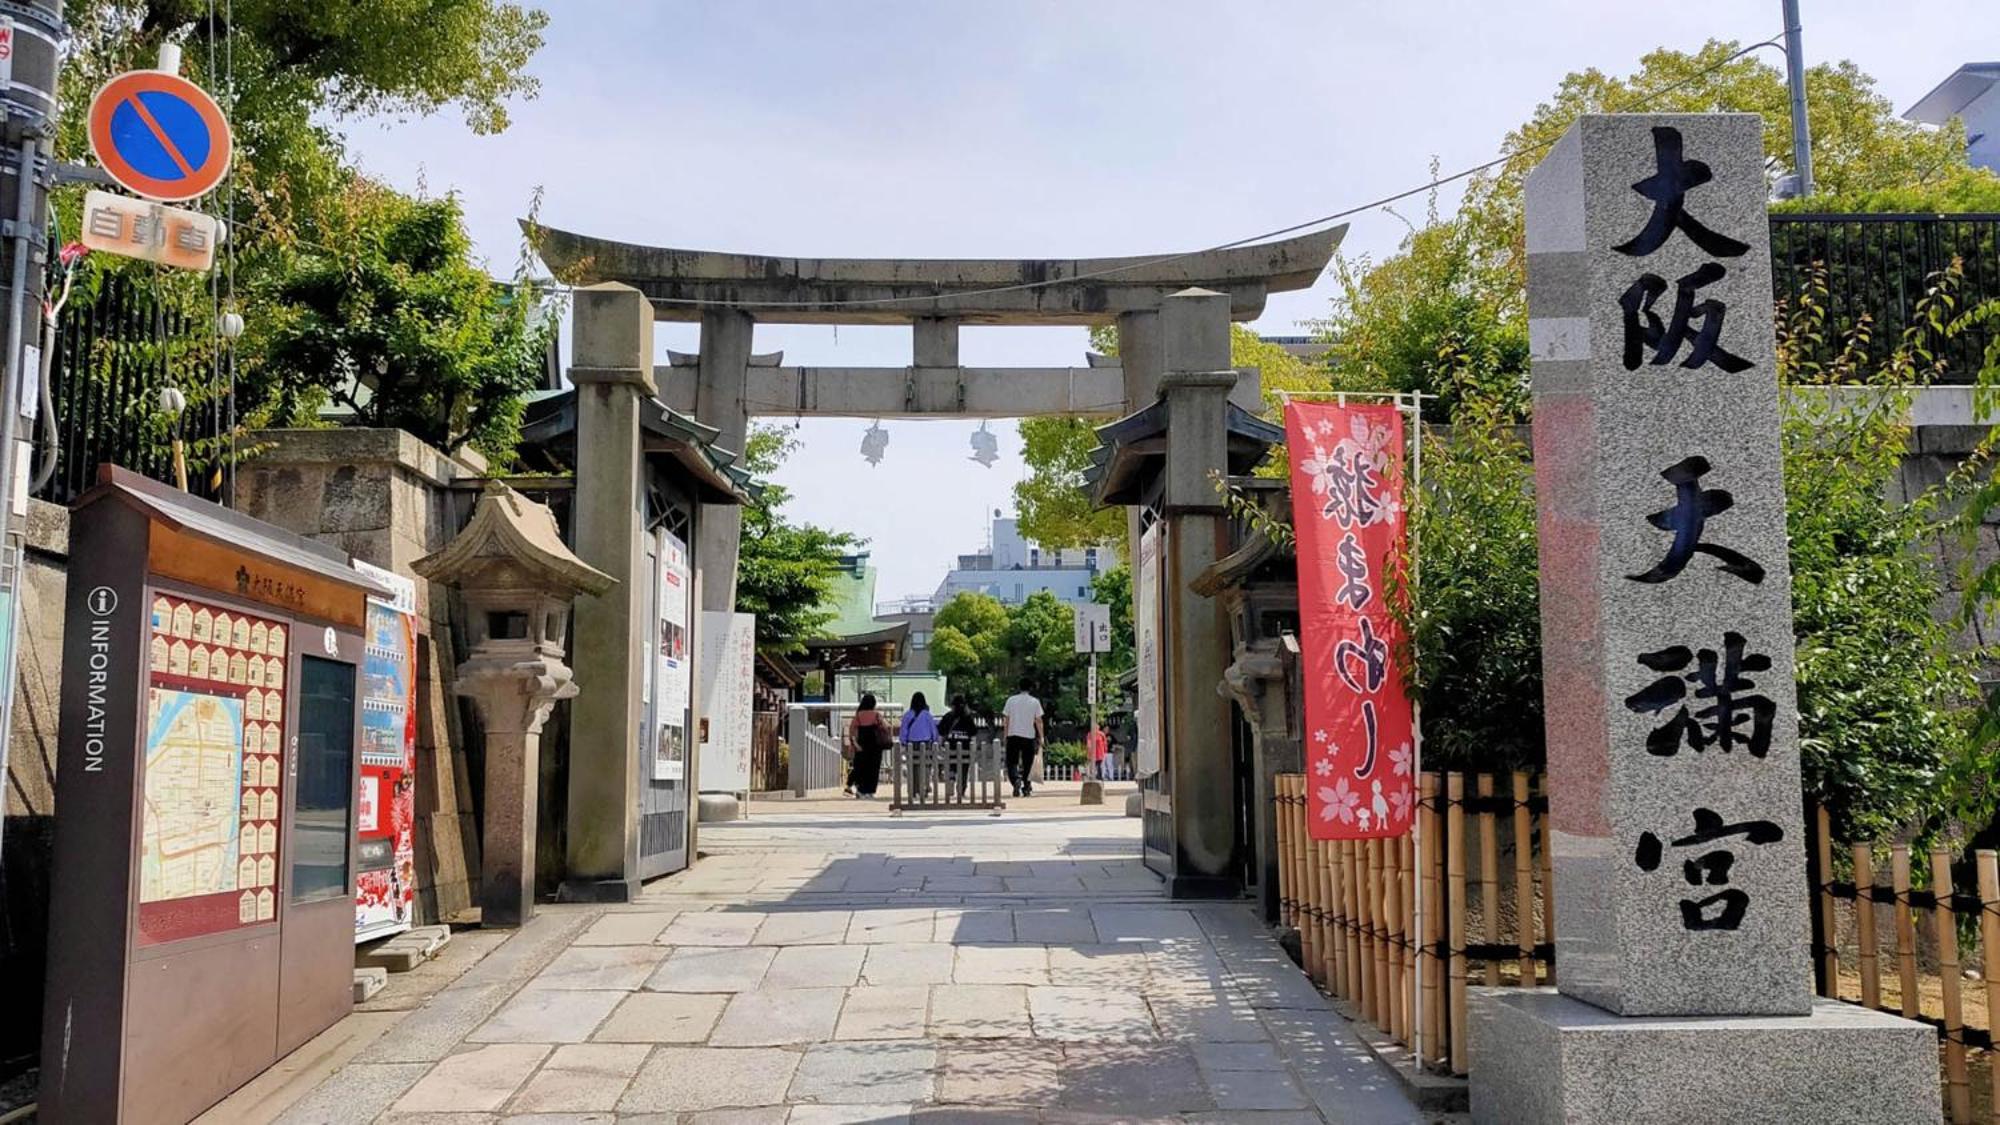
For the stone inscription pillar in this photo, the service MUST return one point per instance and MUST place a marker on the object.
(719, 402)
(1682, 938)
(1666, 594)
(612, 367)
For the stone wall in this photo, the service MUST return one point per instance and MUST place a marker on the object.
(388, 499)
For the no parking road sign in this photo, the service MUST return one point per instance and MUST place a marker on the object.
(159, 135)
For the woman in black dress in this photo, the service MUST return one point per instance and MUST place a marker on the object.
(867, 737)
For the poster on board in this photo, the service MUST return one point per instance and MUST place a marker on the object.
(1146, 637)
(674, 677)
(728, 688)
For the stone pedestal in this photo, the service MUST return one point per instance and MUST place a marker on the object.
(1093, 793)
(513, 694)
(1539, 1056)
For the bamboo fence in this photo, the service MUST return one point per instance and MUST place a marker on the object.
(1354, 904)
(1934, 934)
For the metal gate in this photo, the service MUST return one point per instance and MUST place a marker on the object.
(957, 773)
(667, 696)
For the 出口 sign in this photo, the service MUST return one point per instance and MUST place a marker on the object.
(1665, 587)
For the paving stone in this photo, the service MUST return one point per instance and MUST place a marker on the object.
(1022, 1074)
(891, 925)
(866, 1073)
(1248, 1089)
(1090, 1014)
(627, 927)
(1132, 1079)
(479, 1079)
(559, 1119)
(1121, 965)
(849, 1115)
(1055, 927)
(1277, 1117)
(356, 1093)
(547, 1016)
(394, 1118)
(804, 927)
(964, 884)
(769, 1017)
(711, 969)
(1044, 885)
(974, 1115)
(965, 926)
(1003, 867)
(581, 1078)
(718, 927)
(894, 1012)
(1204, 1015)
(601, 966)
(980, 1011)
(693, 1078)
(768, 1115)
(1142, 923)
(1237, 1056)
(907, 963)
(1001, 964)
(436, 1029)
(662, 1017)
(815, 966)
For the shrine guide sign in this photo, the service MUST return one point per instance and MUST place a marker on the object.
(1665, 588)
(1348, 514)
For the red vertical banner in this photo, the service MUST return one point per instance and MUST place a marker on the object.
(1349, 516)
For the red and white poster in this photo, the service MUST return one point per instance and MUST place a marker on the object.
(1348, 513)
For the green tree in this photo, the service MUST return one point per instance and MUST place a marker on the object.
(969, 646)
(785, 572)
(396, 324)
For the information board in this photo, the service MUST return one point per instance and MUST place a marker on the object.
(728, 687)
(214, 770)
(1146, 637)
(675, 678)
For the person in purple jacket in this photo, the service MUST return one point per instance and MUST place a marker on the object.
(920, 734)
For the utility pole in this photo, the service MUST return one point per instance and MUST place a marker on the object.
(1795, 77)
(31, 38)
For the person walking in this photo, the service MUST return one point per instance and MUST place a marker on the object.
(920, 734)
(957, 730)
(1024, 731)
(867, 737)
(1099, 745)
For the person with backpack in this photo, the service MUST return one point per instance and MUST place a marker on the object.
(957, 730)
(867, 738)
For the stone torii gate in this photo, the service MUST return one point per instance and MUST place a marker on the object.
(1171, 314)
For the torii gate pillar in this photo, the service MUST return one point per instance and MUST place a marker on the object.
(720, 401)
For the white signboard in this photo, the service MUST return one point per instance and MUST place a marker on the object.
(1093, 628)
(728, 688)
(150, 232)
(403, 591)
(1146, 630)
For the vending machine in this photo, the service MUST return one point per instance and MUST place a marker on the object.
(201, 906)
(385, 858)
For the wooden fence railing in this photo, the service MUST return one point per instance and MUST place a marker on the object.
(1931, 934)
(1354, 904)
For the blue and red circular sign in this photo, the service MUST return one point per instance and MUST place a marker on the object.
(159, 135)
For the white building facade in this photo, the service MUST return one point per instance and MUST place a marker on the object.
(1012, 568)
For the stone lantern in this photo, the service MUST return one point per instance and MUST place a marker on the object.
(517, 580)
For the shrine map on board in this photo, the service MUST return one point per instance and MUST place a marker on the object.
(194, 763)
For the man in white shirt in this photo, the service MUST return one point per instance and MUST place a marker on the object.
(1024, 738)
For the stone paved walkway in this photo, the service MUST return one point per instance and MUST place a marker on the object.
(827, 963)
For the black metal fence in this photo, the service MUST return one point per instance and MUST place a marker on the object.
(1880, 266)
(117, 347)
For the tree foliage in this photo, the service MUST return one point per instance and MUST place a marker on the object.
(785, 572)
(395, 323)
(985, 649)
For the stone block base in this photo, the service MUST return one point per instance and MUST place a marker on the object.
(1093, 793)
(1134, 804)
(1540, 1057)
(712, 808)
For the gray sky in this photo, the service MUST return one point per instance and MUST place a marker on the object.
(1031, 129)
